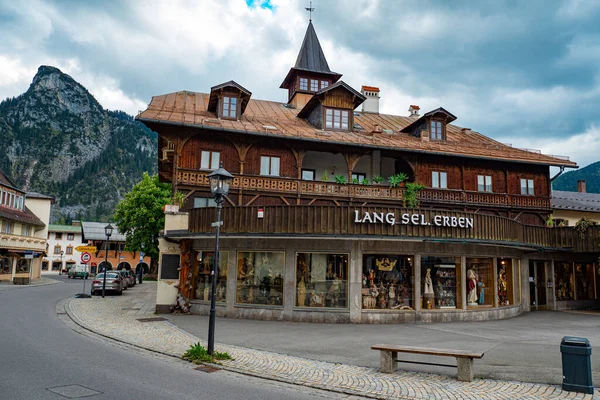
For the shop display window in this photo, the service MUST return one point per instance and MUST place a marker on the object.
(5, 265)
(440, 281)
(203, 279)
(322, 280)
(23, 266)
(480, 282)
(584, 281)
(260, 278)
(563, 281)
(505, 282)
(598, 281)
(387, 282)
(518, 280)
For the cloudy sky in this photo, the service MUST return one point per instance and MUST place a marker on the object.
(523, 72)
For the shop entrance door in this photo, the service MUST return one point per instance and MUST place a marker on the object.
(537, 285)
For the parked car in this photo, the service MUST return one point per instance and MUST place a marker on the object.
(78, 271)
(132, 275)
(127, 278)
(114, 283)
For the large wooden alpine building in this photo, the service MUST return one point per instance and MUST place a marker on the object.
(338, 212)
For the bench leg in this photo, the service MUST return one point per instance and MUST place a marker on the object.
(387, 362)
(465, 369)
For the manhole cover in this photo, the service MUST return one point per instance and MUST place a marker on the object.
(152, 319)
(206, 368)
(74, 391)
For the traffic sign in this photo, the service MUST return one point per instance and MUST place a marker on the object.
(89, 249)
(86, 257)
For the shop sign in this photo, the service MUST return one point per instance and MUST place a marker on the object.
(412, 219)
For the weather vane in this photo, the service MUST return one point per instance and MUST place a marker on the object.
(310, 9)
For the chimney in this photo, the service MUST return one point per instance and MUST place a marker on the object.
(581, 186)
(371, 104)
(414, 111)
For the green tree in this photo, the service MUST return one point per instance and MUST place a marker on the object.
(139, 216)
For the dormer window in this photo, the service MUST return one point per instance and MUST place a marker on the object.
(229, 109)
(336, 119)
(314, 85)
(435, 130)
(303, 83)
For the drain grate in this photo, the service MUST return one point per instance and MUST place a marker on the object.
(74, 391)
(152, 319)
(131, 308)
(206, 368)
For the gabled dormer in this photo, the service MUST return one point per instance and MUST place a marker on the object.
(431, 126)
(332, 108)
(311, 72)
(228, 100)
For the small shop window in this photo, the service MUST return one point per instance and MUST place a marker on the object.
(260, 278)
(269, 165)
(308, 174)
(584, 281)
(358, 177)
(70, 236)
(303, 83)
(387, 282)
(321, 280)
(505, 282)
(203, 280)
(484, 183)
(563, 281)
(5, 266)
(204, 202)
(440, 282)
(439, 180)
(210, 159)
(527, 187)
(23, 266)
(480, 282)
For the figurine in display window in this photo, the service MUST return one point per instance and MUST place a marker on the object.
(220, 292)
(371, 277)
(428, 290)
(472, 287)
(392, 296)
(364, 281)
(315, 299)
(301, 296)
(481, 286)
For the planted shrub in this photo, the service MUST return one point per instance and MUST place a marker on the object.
(341, 179)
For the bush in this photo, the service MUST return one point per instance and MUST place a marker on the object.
(341, 179)
(198, 354)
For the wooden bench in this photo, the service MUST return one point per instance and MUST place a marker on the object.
(464, 359)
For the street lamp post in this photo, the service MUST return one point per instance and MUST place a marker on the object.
(108, 232)
(62, 253)
(219, 186)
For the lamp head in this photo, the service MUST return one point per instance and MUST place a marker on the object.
(219, 181)
(108, 230)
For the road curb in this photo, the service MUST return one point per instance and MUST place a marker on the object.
(64, 307)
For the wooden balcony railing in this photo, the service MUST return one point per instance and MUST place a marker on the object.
(366, 192)
(307, 220)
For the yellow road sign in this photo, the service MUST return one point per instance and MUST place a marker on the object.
(89, 249)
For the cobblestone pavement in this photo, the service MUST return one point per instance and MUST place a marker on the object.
(118, 318)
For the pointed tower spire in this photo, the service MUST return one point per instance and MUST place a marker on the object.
(310, 63)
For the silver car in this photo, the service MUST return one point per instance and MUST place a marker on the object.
(129, 282)
(114, 283)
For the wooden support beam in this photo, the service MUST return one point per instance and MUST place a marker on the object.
(311, 202)
(252, 200)
(284, 200)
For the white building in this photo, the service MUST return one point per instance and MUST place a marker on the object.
(62, 241)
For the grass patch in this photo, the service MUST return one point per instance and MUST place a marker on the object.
(198, 354)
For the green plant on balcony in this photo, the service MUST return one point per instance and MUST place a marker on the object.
(325, 176)
(378, 179)
(355, 181)
(550, 223)
(397, 179)
(582, 226)
(178, 198)
(341, 179)
(411, 194)
(366, 182)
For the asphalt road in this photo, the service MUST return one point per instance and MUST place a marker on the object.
(41, 357)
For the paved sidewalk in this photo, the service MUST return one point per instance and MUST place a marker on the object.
(118, 318)
(43, 281)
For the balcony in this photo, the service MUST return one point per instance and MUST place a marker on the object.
(366, 192)
(340, 221)
(19, 242)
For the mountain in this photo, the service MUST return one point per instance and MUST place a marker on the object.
(57, 139)
(590, 174)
